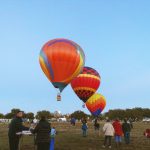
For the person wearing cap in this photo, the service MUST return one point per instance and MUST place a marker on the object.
(15, 127)
(42, 131)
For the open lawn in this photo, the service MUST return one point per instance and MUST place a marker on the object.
(70, 138)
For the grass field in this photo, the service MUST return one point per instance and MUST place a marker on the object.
(70, 138)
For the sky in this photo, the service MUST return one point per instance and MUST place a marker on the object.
(115, 37)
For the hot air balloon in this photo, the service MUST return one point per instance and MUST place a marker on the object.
(86, 83)
(61, 60)
(95, 104)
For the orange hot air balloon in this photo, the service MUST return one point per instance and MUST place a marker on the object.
(61, 60)
(86, 83)
(95, 104)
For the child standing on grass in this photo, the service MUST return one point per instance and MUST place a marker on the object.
(53, 134)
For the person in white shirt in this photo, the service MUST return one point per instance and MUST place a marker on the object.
(108, 130)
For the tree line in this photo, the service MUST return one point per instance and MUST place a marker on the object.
(135, 114)
(29, 115)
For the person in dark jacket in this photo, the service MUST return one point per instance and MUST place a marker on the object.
(73, 121)
(126, 131)
(96, 124)
(42, 131)
(14, 127)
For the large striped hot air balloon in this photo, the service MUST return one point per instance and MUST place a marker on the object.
(95, 104)
(86, 83)
(61, 60)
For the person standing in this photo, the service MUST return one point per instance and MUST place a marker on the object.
(53, 134)
(118, 132)
(42, 130)
(15, 127)
(84, 128)
(126, 131)
(96, 126)
(130, 121)
(108, 132)
(73, 121)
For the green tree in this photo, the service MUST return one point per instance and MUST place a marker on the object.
(135, 113)
(30, 115)
(9, 116)
(1, 116)
(44, 113)
(79, 115)
(146, 112)
(12, 113)
(15, 110)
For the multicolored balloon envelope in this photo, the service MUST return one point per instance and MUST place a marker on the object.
(86, 83)
(61, 60)
(95, 104)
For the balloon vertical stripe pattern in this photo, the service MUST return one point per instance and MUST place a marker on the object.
(61, 60)
(47, 65)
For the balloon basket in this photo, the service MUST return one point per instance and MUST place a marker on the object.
(58, 97)
(83, 106)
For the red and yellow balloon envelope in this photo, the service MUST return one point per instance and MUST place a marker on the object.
(95, 104)
(61, 60)
(86, 83)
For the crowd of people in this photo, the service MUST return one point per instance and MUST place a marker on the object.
(117, 130)
(110, 129)
(45, 133)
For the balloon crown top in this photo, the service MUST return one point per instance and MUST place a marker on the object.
(89, 70)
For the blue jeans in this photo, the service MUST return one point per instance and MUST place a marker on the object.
(84, 132)
(127, 137)
(118, 139)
